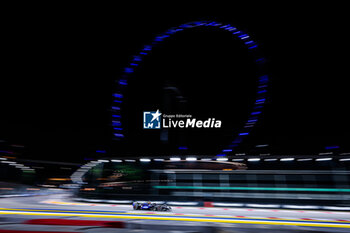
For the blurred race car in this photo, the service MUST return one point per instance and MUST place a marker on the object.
(150, 206)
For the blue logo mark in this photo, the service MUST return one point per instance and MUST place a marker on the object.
(151, 120)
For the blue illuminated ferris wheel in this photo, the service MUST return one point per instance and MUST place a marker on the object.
(118, 123)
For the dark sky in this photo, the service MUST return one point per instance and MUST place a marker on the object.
(60, 64)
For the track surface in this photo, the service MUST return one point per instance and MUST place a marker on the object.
(61, 206)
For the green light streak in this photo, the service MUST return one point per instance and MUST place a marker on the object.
(255, 188)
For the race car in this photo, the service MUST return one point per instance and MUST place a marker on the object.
(150, 206)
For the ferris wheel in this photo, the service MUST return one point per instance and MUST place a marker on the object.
(252, 47)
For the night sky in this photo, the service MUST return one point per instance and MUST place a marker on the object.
(60, 65)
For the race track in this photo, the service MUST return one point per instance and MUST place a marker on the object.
(19, 209)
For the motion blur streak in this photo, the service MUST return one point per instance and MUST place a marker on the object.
(171, 217)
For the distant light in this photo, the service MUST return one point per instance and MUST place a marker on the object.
(260, 100)
(7, 162)
(243, 35)
(103, 161)
(117, 160)
(222, 159)
(265, 154)
(130, 160)
(158, 160)
(3, 158)
(221, 155)
(345, 153)
(147, 48)
(206, 159)
(27, 169)
(253, 120)
(240, 153)
(263, 78)
(242, 134)
(346, 159)
(299, 207)
(145, 160)
(100, 151)
(255, 113)
(253, 159)
(117, 95)
(237, 160)
(175, 159)
(336, 208)
(263, 206)
(324, 159)
(122, 82)
(137, 58)
(325, 153)
(95, 162)
(227, 150)
(270, 160)
(183, 148)
(331, 147)
(309, 159)
(287, 159)
(128, 70)
(191, 159)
